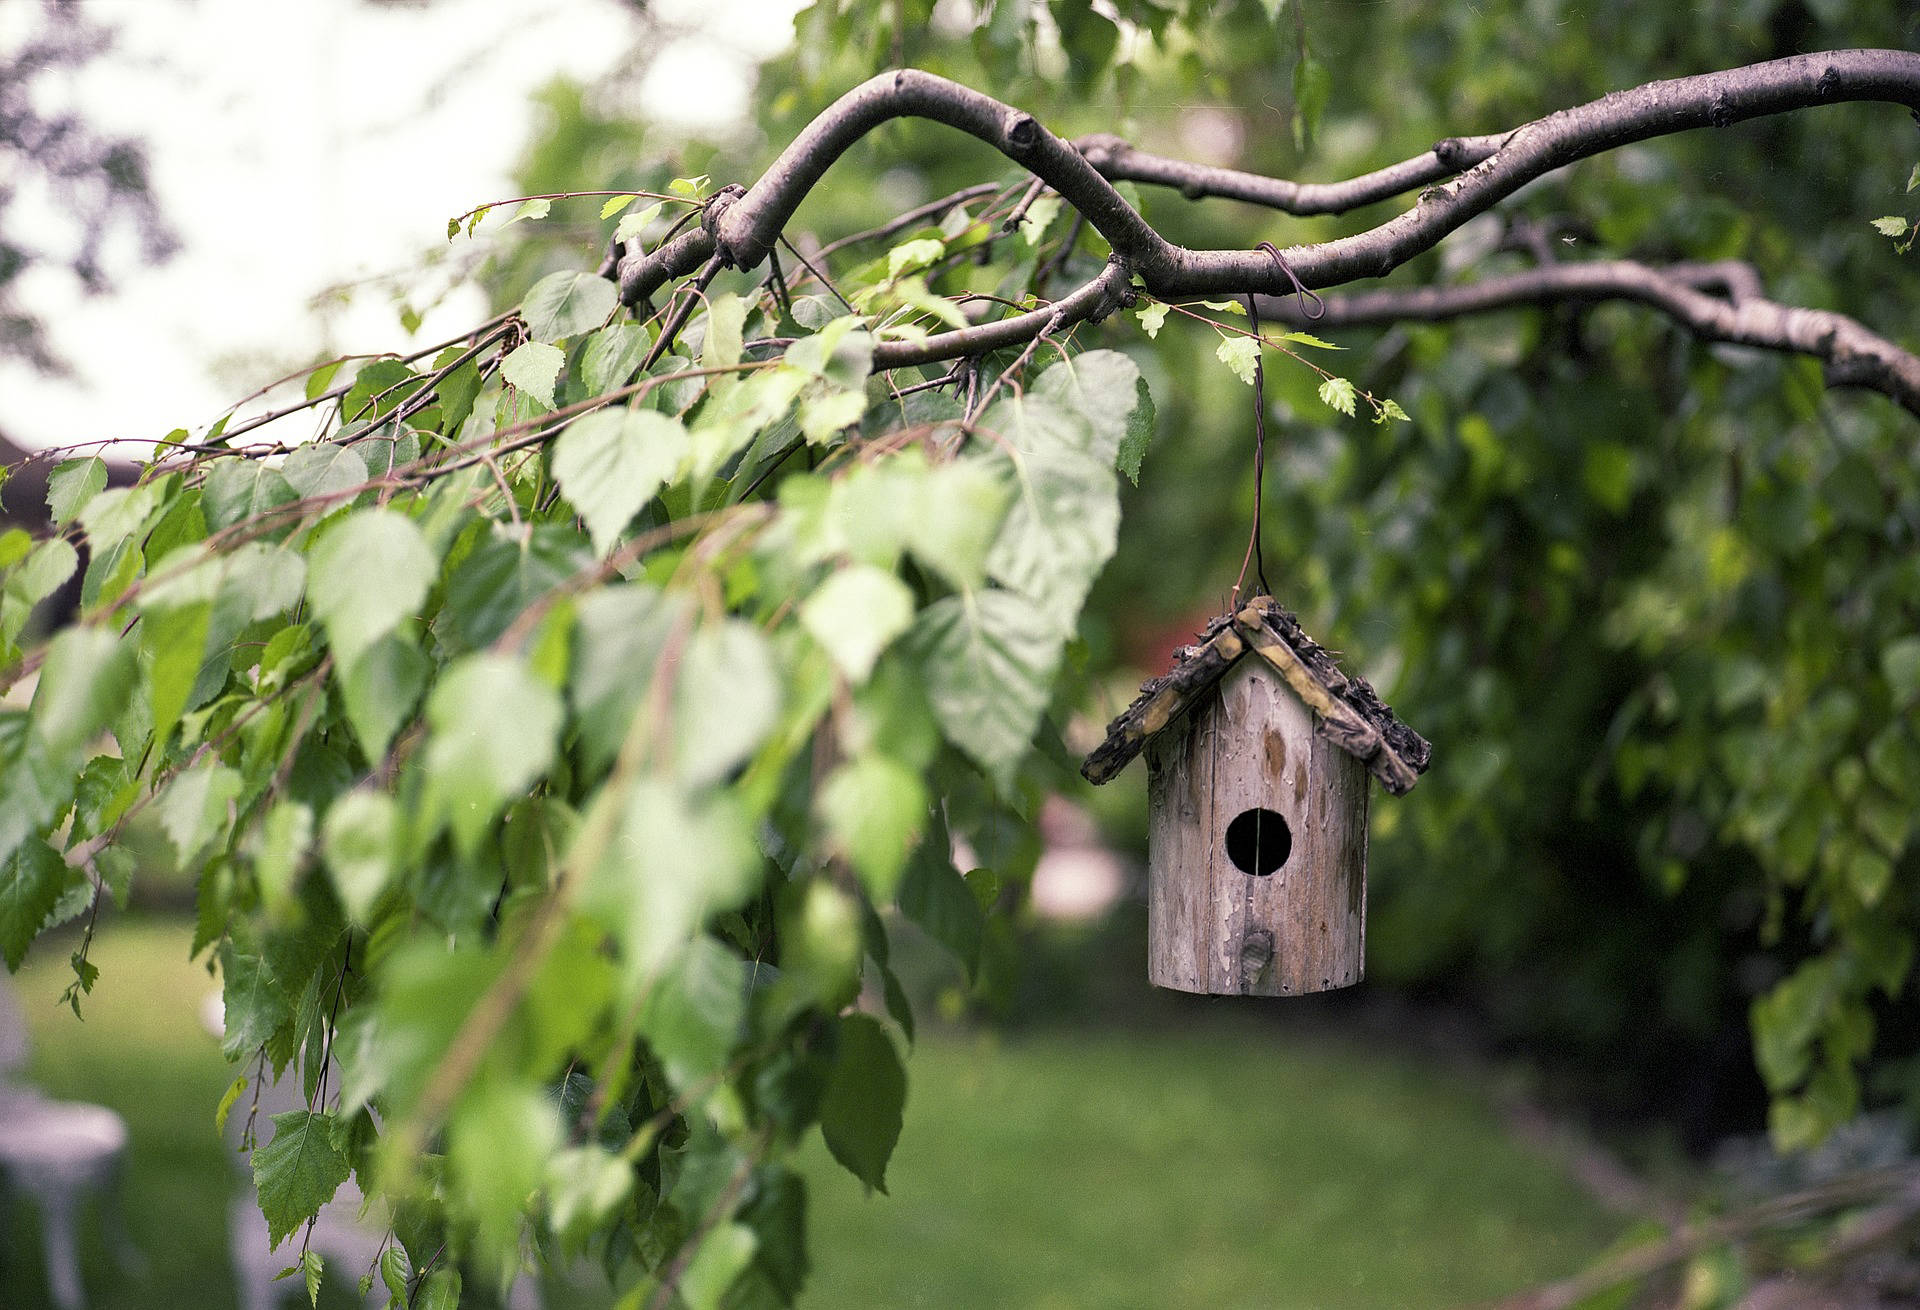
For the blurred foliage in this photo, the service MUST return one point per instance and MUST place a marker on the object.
(1655, 602)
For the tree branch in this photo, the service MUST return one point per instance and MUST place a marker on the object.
(1852, 355)
(742, 227)
(1119, 161)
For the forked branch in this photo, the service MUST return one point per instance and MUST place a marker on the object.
(742, 227)
(1852, 355)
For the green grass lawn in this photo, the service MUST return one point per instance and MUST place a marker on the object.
(1220, 1166)
(1221, 1162)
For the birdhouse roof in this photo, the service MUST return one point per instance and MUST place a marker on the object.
(1346, 710)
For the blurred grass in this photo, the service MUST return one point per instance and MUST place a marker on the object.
(1220, 1162)
(1218, 1166)
(142, 1052)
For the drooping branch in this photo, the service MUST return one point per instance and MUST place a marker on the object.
(741, 227)
(1852, 355)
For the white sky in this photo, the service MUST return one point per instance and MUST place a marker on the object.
(299, 144)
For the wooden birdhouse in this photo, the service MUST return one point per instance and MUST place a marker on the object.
(1258, 751)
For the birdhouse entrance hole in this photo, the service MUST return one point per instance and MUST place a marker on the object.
(1259, 841)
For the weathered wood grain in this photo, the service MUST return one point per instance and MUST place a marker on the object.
(1213, 928)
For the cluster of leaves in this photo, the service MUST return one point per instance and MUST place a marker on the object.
(557, 738)
(1898, 227)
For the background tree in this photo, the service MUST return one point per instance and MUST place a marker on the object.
(553, 733)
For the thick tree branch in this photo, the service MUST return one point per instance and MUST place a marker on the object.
(743, 227)
(1852, 355)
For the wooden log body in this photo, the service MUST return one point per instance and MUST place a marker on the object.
(1214, 928)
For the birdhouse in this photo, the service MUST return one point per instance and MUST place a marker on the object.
(1258, 751)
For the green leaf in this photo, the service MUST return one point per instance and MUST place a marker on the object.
(1138, 436)
(564, 304)
(194, 807)
(840, 353)
(634, 226)
(695, 1011)
(311, 1267)
(72, 484)
(1900, 665)
(1338, 393)
(494, 726)
(32, 880)
(1308, 339)
(674, 861)
(173, 643)
(691, 188)
(1153, 317)
(855, 614)
(1105, 388)
(323, 470)
(1312, 89)
(726, 317)
(1240, 354)
(534, 367)
(1065, 519)
(441, 1291)
(361, 839)
(959, 512)
(911, 256)
(118, 512)
(726, 699)
(1040, 216)
(298, 1172)
(874, 808)
(280, 849)
(823, 417)
(227, 1100)
(614, 205)
(611, 355)
(722, 1256)
(866, 1092)
(369, 572)
(613, 461)
(935, 896)
(84, 684)
(530, 210)
(322, 378)
(989, 661)
(237, 490)
(507, 572)
(497, 1145)
(1786, 1020)
(1892, 225)
(619, 642)
(395, 1270)
(1913, 179)
(380, 689)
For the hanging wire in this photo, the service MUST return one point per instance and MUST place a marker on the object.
(1319, 308)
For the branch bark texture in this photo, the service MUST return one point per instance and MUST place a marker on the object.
(1852, 355)
(1463, 177)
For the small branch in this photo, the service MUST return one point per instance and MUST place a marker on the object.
(1119, 161)
(1852, 355)
(1780, 1211)
(932, 209)
(1088, 304)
